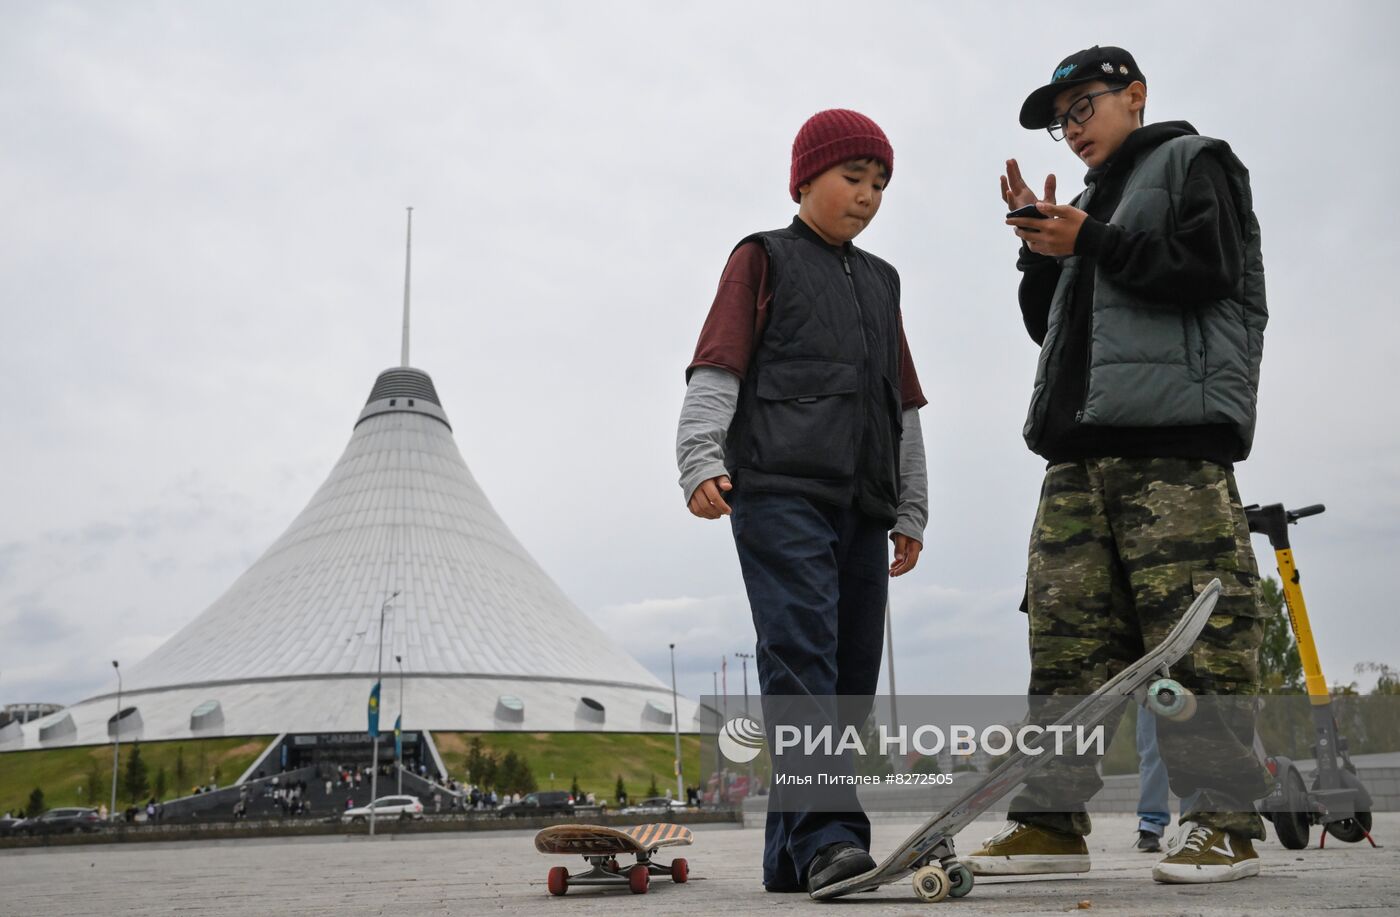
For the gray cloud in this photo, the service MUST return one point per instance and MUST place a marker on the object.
(204, 271)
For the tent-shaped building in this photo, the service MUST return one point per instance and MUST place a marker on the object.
(399, 528)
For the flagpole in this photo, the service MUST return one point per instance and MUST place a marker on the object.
(398, 728)
(378, 680)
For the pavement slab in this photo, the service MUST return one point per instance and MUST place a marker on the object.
(500, 873)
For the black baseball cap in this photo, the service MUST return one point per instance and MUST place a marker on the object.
(1112, 64)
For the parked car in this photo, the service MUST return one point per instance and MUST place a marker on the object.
(548, 802)
(654, 805)
(9, 824)
(403, 807)
(62, 821)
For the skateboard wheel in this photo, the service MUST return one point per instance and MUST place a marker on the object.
(637, 879)
(959, 880)
(614, 866)
(558, 880)
(931, 884)
(680, 870)
(1169, 700)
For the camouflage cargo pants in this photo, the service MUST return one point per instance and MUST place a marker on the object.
(1121, 547)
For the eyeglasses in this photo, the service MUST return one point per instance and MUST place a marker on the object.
(1082, 110)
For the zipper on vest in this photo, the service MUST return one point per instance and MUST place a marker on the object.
(860, 315)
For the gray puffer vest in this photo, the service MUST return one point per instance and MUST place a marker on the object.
(1161, 362)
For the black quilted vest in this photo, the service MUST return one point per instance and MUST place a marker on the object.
(819, 411)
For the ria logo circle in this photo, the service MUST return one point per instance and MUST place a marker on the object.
(741, 740)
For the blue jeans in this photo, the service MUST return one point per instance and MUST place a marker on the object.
(1154, 805)
(817, 576)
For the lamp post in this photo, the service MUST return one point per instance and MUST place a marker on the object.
(117, 735)
(744, 659)
(378, 680)
(398, 741)
(676, 725)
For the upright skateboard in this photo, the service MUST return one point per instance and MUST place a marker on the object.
(928, 852)
(600, 845)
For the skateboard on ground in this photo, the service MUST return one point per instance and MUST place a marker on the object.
(928, 852)
(600, 845)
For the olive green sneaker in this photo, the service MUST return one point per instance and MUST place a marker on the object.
(1203, 854)
(1028, 850)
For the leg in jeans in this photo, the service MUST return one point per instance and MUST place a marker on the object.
(818, 611)
(1154, 805)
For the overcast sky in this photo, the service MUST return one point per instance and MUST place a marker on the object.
(201, 268)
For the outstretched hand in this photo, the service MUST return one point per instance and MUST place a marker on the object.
(1055, 236)
(708, 500)
(906, 554)
(1016, 193)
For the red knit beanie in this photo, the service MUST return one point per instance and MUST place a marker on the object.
(832, 137)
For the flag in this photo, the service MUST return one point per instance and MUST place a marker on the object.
(398, 738)
(374, 711)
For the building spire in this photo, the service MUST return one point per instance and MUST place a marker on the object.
(407, 273)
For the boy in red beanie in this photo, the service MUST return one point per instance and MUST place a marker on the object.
(801, 424)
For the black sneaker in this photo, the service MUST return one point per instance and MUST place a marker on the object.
(836, 863)
(1148, 842)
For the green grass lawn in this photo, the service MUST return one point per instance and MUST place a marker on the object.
(66, 775)
(597, 758)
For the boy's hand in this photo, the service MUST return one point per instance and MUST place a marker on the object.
(906, 554)
(1014, 191)
(1055, 236)
(707, 502)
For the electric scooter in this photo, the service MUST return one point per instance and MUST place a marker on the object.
(1336, 799)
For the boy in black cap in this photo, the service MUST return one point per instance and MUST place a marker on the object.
(1146, 296)
(801, 424)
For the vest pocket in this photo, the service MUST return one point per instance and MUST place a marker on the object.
(806, 418)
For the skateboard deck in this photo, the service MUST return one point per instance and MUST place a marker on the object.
(601, 845)
(928, 852)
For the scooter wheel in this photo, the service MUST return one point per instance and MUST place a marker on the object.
(1291, 822)
(1351, 830)
(931, 884)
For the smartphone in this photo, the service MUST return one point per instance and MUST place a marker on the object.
(1029, 211)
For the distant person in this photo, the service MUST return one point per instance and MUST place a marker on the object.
(1146, 297)
(801, 424)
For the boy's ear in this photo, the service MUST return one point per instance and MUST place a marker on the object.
(803, 188)
(1137, 95)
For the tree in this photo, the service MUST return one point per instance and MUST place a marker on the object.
(36, 805)
(514, 776)
(137, 781)
(620, 791)
(180, 773)
(479, 763)
(162, 782)
(1280, 667)
(574, 791)
(96, 782)
(653, 789)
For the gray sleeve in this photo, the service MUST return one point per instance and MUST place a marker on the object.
(913, 479)
(711, 398)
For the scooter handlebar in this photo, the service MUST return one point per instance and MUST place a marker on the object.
(1295, 514)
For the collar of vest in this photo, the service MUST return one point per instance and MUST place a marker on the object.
(810, 234)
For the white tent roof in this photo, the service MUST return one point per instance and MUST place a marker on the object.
(488, 640)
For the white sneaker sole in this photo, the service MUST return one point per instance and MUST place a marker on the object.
(1179, 874)
(1026, 865)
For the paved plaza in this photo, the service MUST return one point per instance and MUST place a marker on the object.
(499, 872)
